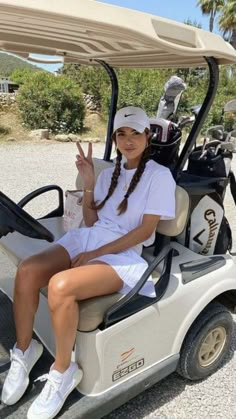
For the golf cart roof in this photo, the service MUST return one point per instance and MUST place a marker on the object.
(83, 31)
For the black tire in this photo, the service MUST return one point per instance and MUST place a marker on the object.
(214, 325)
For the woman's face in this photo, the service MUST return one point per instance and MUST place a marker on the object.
(131, 143)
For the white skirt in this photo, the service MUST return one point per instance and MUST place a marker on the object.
(129, 265)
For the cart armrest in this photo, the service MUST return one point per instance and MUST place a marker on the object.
(58, 212)
(134, 302)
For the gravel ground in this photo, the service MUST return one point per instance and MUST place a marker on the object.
(25, 167)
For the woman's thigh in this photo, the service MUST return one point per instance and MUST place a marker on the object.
(39, 268)
(92, 280)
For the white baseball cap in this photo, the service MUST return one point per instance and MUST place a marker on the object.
(131, 117)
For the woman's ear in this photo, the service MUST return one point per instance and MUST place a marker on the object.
(148, 133)
(149, 136)
(113, 138)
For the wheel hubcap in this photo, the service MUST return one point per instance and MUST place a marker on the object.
(212, 346)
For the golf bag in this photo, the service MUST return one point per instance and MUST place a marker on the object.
(165, 141)
(206, 178)
(169, 101)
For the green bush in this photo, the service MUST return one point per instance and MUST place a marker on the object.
(22, 75)
(47, 101)
(137, 87)
(92, 80)
(56, 102)
(142, 88)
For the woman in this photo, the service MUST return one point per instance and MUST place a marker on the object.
(121, 213)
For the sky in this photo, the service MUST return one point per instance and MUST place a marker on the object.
(180, 10)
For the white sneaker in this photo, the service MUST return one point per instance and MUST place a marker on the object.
(55, 392)
(17, 379)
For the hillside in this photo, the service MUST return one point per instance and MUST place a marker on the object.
(9, 63)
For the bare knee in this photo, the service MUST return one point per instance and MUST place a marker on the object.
(58, 291)
(27, 276)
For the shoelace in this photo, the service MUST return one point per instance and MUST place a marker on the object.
(51, 387)
(16, 363)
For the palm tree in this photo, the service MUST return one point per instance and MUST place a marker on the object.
(211, 7)
(227, 21)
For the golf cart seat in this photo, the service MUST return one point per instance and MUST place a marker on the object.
(18, 247)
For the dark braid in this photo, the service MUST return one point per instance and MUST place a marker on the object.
(135, 179)
(114, 181)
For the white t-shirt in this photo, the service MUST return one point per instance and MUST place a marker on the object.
(154, 194)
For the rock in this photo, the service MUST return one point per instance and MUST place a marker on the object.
(64, 138)
(85, 140)
(91, 103)
(92, 119)
(39, 134)
(10, 139)
(96, 140)
(7, 100)
(90, 140)
(74, 137)
(44, 134)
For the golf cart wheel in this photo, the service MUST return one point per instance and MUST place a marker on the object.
(207, 343)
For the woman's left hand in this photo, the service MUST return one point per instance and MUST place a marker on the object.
(83, 258)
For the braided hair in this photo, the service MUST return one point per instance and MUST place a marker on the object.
(114, 181)
(122, 207)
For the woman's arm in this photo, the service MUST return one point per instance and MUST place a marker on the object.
(131, 239)
(85, 167)
(90, 215)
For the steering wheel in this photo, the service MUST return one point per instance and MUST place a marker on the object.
(14, 218)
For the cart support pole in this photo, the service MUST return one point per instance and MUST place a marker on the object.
(114, 98)
(197, 126)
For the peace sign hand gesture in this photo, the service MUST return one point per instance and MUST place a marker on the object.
(85, 166)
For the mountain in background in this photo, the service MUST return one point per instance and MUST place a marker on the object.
(9, 63)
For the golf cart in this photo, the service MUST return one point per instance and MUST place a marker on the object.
(220, 132)
(125, 344)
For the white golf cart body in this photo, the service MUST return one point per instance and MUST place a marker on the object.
(124, 355)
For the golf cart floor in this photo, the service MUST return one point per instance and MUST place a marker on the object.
(7, 340)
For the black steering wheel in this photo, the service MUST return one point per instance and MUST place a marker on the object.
(14, 218)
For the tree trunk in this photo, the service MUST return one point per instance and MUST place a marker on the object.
(233, 38)
(211, 23)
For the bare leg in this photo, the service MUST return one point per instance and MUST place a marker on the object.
(65, 290)
(32, 274)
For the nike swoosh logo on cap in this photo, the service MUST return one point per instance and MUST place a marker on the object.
(129, 114)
